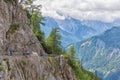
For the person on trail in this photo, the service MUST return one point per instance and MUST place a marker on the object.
(11, 52)
(27, 52)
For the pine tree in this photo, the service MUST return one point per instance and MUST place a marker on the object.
(36, 20)
(54, 43)
(80, 72)
(72, 52)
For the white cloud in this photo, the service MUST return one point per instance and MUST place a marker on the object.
(104, 10)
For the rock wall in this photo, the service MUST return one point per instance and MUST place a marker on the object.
(12, 14)
(35, 68)
(28, 67)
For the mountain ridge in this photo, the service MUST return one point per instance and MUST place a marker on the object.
(75, 29)
(101, 53)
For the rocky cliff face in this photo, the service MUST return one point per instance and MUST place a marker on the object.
(35, 68)
(15, 32)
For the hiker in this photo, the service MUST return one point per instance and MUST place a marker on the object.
(11, 52)
(27, 52)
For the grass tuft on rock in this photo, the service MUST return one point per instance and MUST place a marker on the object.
(13, 28)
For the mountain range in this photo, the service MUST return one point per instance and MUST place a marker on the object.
(102, 54)
(73, 30)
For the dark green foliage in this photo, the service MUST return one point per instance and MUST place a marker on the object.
(80, 73)
(23, 63)
(1, 67)
(28, 14)
(13, 28)
(36, 21)
(8, 64)
(34, 15)
(54, 43)
(50, 59)
(28, 2)
(43, 77)
(72, 53)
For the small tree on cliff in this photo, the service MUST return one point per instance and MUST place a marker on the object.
(54, 43)
(34, 14)
(72, 52)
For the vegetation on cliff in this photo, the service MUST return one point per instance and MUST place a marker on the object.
(13, 28)
(54, 43)
(80, 72)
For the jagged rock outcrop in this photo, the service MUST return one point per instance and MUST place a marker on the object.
(35, 68)
(15, 32)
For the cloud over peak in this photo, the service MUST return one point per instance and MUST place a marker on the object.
(103, 10)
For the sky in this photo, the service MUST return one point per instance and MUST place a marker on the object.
(102, 10)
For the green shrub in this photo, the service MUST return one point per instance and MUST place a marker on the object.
(43, 77)
(23, 63)
(28, 14)
(80, 72)
(8, 65)
(1, 68)
(13, 28)
(50, 59)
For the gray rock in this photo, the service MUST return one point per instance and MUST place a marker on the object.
(36, 68)
(10, 14)
(29, 67)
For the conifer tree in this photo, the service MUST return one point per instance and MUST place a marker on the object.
(54, 43)
(72, 52)
(36, 20)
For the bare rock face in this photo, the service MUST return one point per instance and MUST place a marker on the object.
(13, 16)
(35, 68)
